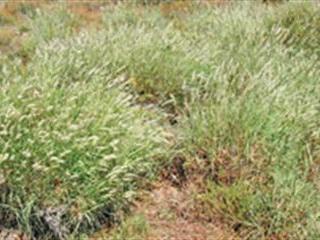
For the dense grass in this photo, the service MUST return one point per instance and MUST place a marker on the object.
(72, 142)
(82, 125)
(257, 120)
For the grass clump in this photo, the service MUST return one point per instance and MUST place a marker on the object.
(254, 123)
(77, 152)
(135, 227)
(297, 25)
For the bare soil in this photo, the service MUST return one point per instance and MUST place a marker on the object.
(173, 214)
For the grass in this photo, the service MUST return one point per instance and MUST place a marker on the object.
(73, 136)
(73, 140)
(84, 123)
(135, 228)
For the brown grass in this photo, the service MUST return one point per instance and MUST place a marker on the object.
(89, 16)
(8, 39)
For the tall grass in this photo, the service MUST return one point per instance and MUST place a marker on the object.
(74, 148)
(257, 120)
(82, 125)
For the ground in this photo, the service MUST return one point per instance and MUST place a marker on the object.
(170, 212)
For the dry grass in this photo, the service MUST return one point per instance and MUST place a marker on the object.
(7, 35)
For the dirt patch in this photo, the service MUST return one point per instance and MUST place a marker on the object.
(171, 209)
(173, 214)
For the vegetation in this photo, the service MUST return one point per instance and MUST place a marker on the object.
(93, 114)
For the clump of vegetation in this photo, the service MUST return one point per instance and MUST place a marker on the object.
(73, 149)
(135, 227)
(297, 25)
(256, 121)
(83, 122)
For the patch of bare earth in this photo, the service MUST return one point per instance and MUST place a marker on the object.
(174, 215)
(173, 211)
